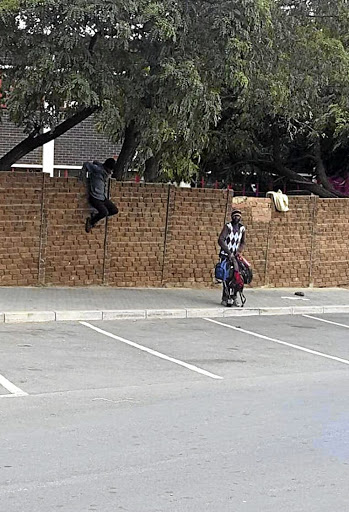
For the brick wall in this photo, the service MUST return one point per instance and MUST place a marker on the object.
(280, 245)
(135, 242)
(196, 218)
(80, 144)
(10, 136)
(163, 236)
(331, 241)
(83, 143)
(69, 256)
(20, 229)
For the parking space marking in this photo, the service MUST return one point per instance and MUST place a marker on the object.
(291, 345)
(295, 298)
(154, 352)
(14, 390)
(326, 321)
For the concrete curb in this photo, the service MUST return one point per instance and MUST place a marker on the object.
(14, 317)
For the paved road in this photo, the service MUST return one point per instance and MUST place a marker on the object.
(226, 415)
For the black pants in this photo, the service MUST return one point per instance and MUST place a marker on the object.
(105, 208)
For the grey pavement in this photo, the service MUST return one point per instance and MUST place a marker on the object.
(108, 426)
(66, 303)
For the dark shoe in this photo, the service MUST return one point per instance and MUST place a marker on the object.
(88, 225)
(224, 303)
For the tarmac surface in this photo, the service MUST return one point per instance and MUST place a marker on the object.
(242, 414)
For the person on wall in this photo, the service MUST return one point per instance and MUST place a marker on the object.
(98, 180)
(232, 241)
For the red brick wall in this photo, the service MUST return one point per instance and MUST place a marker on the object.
(331, 236)
(196, 218)
(256, 217)
(290, 244)
(20, 222)
(163, 236)
(70, 257)
(135, 242)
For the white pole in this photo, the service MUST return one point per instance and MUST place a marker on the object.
(48, 155)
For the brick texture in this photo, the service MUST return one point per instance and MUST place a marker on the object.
(257, 215)
(20, 222)
(163, 236)
(290, 245)
(196, 218)
(331, 243)
(70, 256)
(10, 136)
(136, 238)
(81, 143)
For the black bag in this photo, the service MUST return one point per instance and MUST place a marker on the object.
(245, 270)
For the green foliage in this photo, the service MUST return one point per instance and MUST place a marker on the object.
(206, 83)
(295, 98)
(159, 64)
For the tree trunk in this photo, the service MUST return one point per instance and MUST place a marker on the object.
(278, 168)
(36, 140)
(152, 166)
(322, 175)
(128, 151)
(284, 171)
(316, 189)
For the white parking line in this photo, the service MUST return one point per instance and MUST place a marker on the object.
(326, 321)
(14, 390)
(154, 352)
(297, 347)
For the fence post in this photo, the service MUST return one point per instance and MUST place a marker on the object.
(166, 233)
(42, 235)
(266, 270)
(313, 240)
(106, 264)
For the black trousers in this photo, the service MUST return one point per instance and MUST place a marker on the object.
(105, 208)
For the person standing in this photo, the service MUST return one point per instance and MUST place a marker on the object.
(98, 180)
(232, 242)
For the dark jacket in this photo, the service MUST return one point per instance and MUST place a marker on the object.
(98, 180)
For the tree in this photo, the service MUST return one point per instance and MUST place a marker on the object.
(151, 71)
(294, 107)
(168, 122)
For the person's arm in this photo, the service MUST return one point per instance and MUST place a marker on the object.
(221, 240)
(89, 167)
(242, 243)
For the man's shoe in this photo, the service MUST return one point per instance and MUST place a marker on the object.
(88, 225)
(236, 303)
(224, 303)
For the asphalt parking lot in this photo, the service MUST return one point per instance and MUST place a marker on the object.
(225, 415)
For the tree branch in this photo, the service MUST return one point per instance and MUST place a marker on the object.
(35, 140)
(280, 169)
(321, 172)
